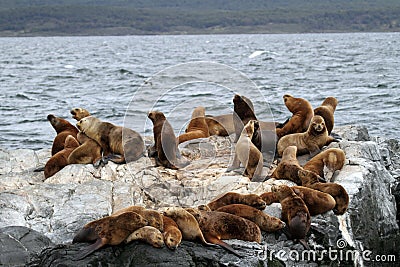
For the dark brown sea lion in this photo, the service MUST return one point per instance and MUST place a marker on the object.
(302, 114)
(311, 180)
(108, 231)
(294, 213)
(229, 198)
(60, 159)
(63, 129)
(197, 127)
(309, 142)
(113, 139)
(221, 125)
(326, 111)
(266, 222)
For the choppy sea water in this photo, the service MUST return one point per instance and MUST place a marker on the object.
(117, 76)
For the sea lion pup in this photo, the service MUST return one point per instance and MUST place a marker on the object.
(165, 146)
(153, 217)
(221, 125)
(243, 113)
(264, 221)
(187, 224)
(311, 180)
(113, 139)
(217, 226)
(197, 127)
(88, 152)
(294, 213)
(288, 167)
(309, 142)
(332, 158)
(63, 129)
(302, 114)
(60, 159)
(248, 154)
(316, 201)
(108, 231)
(172, 235)
(326, 111)
(229, 198)
(148, 234)
(79, 113)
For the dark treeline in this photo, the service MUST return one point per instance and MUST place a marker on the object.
(89, 17)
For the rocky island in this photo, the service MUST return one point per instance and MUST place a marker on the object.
(38, 217)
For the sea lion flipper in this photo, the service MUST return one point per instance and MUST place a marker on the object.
(89, 249)
(216, 241)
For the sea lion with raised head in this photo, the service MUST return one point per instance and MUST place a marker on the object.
(326, 111)
(79, 113)
(63, 129)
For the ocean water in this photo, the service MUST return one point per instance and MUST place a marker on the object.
(120, 79)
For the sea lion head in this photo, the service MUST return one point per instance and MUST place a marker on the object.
(330, 101)
(255, 201)
(172, 238)
(243, 103)
(295, 104)
(317, 124)
(79, 113)
(58, 124)
(249, 128)
(156, 116)
(282, 191)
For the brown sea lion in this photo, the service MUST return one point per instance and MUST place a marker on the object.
(63, 129)
(294, 213)
(264, 221)
(229, 198)
(88, 152)
(288, 167)
(60, 159)
(153, 217)
(197, 127)
(187, 224)
(302, 114)
(332, 158)
(326, 111)
(79, 113)
(248, 154)
(108, 231)
(217, 226)
(113, 139)
(309, 142)
(221, 125)
(148, 234)
(316, 201)
(172, 234)
(165, 143)
(311, 180)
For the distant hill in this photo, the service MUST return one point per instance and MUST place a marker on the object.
(120, 17)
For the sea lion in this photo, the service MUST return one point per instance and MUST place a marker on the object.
(108, 231)
(309, 142)
(165, 143)
(288, 167)
(294, 213)
(302, 114)
(63, 129)
(316, 201)
(311, 180)
(187, 224)
(60, 159)
(221, 125)
(148, 234)
(264, 221)
(197, 127)
(153, 217)
(172, 234)
(217, 226)
(243, 113)
(248, 154)
(229, 198)
(88, 152)
(79, 113)
(326, 111)
(332, 158)
(113, 139)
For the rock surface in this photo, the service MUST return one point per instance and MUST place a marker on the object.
(56, 208)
